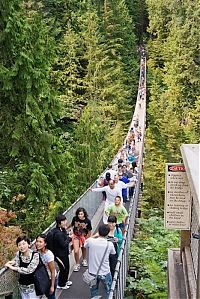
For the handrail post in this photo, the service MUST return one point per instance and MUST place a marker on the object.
(185, 241)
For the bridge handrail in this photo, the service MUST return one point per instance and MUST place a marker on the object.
(119, 280)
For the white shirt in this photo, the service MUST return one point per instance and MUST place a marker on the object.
(121, 185)
(48, 257)
(110, 193)
(97, 247)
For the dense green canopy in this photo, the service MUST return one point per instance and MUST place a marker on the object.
(67, 86)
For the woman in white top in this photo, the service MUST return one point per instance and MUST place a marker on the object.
(48, 259)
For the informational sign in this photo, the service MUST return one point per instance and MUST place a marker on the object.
(177, 198)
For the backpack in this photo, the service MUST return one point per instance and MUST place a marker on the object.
(42, 281)
(131, 158)
(50, 240)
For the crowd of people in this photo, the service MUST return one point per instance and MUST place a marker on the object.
(117, 187)
(27, 259)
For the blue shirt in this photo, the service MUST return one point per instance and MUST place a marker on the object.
(124, 190)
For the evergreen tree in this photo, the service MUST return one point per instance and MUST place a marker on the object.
(32, 162)
(117, 29)
(102, 90)
(173, 112)
(138, 12)
(58, 13)
(67, 75)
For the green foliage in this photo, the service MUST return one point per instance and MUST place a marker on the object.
(138, 11)
(91, 143)
(90, 83)
(67, 75)
(173, 63)
(173, 72)
(58, 13)
(32, 160)
(173, 119)
(148, 255)
(118, 34)
(154, 174)
(66, 88)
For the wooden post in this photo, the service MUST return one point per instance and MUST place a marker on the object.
(185, 240)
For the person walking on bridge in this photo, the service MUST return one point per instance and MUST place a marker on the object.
(82, 229)
(122, 186)
(111, 192)
(47, 257)
(111, 171)
(61, 242)
(119, 211)
(99, 251)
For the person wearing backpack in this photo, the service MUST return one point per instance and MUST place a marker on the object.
(114, 236)
(48, 259)
(102, 182)
(25, 263)
(58, 242)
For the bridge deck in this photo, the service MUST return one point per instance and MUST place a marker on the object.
(79, 290)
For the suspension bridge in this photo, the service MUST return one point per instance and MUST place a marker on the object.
(183, 262)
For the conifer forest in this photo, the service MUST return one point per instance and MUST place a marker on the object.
(69, 74)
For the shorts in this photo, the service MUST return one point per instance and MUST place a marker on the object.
(80, 238)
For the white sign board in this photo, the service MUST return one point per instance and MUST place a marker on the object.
(177, 198)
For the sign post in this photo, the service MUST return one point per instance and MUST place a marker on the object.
(177, 198)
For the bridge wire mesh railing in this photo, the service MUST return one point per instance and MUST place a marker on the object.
(194, 249)
(91, 202)
(119, 280)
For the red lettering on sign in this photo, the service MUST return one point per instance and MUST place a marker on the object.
(177, 168)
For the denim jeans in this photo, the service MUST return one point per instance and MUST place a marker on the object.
(107, 282)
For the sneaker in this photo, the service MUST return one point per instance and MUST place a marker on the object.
(76, 268)
(84, 263)
(69, 283)
(63, 288)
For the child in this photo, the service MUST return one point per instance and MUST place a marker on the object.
(119, 211)
(114, 236)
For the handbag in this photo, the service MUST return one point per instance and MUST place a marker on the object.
(91, 279)
(42, 280)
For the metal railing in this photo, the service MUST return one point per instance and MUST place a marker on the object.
(195, 228)
(190, 240)
(119, 280)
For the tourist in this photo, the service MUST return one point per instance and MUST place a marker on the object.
(25, 263)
